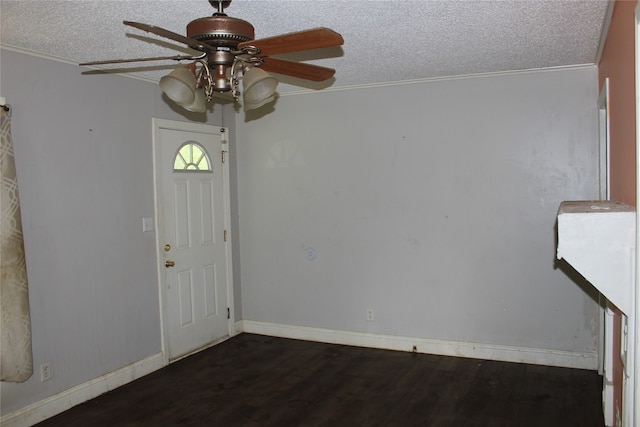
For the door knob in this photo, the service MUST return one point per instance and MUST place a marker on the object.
(169, 263)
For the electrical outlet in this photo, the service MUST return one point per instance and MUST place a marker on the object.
(45, 372)
(370, 316)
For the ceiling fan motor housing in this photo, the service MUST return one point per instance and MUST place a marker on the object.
(220, 30)
(224, 33)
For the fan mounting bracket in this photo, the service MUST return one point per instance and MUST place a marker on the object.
(220, 5)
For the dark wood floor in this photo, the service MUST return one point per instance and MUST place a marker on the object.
(253, 380)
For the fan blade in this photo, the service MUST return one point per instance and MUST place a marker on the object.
(157, 58)
(294, 42)
(170, 35)
(297, 69)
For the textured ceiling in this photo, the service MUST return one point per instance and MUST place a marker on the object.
(385, 41)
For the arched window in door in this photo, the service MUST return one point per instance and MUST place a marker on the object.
(191, 157)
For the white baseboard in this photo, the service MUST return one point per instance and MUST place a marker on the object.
(239, 327)
(537, 356)
(60, 402)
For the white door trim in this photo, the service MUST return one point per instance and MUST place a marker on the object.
(634, 409)
(159, 124)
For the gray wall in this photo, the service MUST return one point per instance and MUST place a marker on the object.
(83, 148)
(433, 203)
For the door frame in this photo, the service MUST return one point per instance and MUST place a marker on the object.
(158, 125)
(634, 337)
(606, 329)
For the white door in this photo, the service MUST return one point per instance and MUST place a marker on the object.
(191, 213)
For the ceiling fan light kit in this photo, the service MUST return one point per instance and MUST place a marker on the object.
(199, 104)
(258, 85)
(180, 85)
(230, 53)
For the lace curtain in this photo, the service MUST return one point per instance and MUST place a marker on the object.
(16, 364)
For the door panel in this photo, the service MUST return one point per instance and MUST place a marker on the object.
(185, 298)
(210, 290)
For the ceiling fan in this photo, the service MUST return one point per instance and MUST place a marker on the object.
(229, 53)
